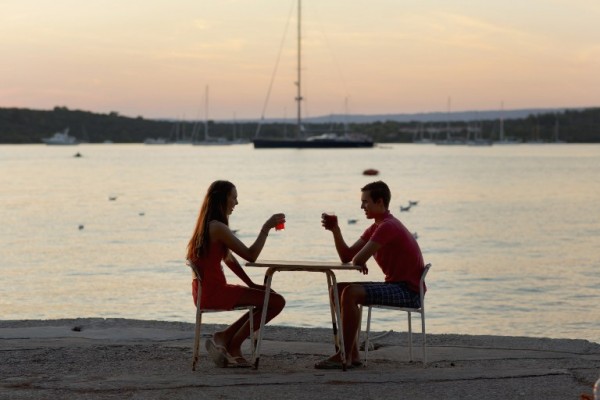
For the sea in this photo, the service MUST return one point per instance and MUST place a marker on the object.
(100, 230)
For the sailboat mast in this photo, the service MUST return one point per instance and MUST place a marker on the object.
(502, 121)
(448, 119)
(206, 113)
(298, 82)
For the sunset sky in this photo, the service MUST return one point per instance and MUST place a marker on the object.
(154, 58)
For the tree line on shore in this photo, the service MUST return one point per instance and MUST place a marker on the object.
(26, 126)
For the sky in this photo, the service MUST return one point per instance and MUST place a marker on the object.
(236, 59)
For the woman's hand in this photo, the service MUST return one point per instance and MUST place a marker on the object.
(260, 287)
(253, 285)
(275, 220)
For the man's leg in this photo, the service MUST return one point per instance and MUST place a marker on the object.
(352, 297)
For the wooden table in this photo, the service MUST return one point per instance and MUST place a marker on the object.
(309, 266)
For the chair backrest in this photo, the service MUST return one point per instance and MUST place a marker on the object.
(422, 284)
(194, 268)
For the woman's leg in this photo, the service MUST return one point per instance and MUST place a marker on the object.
(233, 337)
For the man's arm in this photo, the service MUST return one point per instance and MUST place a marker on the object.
(345, 252)
(364, 254)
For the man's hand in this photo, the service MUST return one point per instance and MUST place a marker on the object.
(364, 270)
(329, 221)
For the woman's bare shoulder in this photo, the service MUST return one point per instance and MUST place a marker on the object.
(217, 226)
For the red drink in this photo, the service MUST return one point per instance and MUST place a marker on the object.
(280, 226)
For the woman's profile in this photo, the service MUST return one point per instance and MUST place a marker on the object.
(213, 242)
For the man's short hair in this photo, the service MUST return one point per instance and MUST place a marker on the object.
(379, 190)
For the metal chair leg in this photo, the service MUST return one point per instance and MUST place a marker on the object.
(367, 345)
(410, 352)
(197, 338)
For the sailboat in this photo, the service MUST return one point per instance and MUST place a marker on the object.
(326, 140)
(451, 141)
(502, 138)
(556, 130)
(208, 140)
(237, 140)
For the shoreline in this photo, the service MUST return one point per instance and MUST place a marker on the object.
(123, 358)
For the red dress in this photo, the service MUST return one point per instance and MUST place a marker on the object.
(216, 292)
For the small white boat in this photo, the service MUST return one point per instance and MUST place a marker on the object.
(213, 142)
(159, 140)
(61, 138)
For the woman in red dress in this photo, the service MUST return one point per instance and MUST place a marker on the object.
(213, 242)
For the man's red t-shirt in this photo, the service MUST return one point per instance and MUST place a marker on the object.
(399, 256)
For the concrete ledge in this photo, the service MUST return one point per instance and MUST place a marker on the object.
(117, 358)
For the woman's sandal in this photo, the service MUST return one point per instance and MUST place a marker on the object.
(218, 353)
(240, 362)
(331, 364)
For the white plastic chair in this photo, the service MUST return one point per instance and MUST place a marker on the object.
(200, 311)
(409, 310)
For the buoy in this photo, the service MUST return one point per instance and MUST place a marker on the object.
(370, 172)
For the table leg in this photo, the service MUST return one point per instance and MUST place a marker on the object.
(263, 318)
(338, 314)
(332, 310)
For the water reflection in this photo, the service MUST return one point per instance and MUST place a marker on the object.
(512, 231)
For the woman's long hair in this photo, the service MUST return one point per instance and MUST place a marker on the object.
(214, 208)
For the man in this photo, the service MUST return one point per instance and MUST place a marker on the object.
(396, 252)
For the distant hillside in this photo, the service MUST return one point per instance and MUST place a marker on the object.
(19, 125)
(467, 116)
(22, 125)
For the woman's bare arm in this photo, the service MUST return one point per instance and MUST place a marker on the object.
(220, 231)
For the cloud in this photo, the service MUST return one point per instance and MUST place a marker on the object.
(201, 24)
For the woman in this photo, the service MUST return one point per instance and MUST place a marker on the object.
(213, 242)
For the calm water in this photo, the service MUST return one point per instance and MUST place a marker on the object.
(513, 232)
